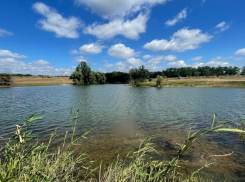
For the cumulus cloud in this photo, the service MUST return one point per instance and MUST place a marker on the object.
(93, 48)
(232, 58)
(4, 32)
(127, 28)
(165, 58)
(177, 64)
(152, 65)
(40, 67)
(182, 15)
(121, 51)
(222, 27)
(54, 22)
(170, 58)
(41, 62)
(240, 52)
(211, 64)
(198, 58)
(79, 59)
(181, 41)
(111, 8)
(147, 56)
(9, 54)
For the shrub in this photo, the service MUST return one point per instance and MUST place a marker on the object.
(159, 81)
(5, 79)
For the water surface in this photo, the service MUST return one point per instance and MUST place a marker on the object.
(134, 112)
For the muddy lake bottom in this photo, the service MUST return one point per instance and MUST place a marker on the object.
(227, 159)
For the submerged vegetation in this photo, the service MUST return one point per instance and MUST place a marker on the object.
(25, 158)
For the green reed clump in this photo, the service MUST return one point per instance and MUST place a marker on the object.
(21, 160)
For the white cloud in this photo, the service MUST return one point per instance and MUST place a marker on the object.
(240, 52)
(147, 56)
(7, 53)
(211, 64)
(198, 58)
(93, 48)
(73, 52)
(165, 58)
(79, 59)
(125, 66)
(181, 41)
(107, 65)
(41, 62)
(155, 60)
(182, 15)
(4, 32)
(219, 58)
(112, 8)
(222, 27)
(41, 67)
(128, 28)
(238, 59)
(54, 22)
(177, 64)
(121, 51)
(170, 58)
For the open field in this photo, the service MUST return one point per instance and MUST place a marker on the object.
(40, 81)
(224, 81)
(227, 81)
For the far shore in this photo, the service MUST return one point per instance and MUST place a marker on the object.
(40, 81)
(222, 81)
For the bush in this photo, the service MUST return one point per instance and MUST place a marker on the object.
(5, 79)
(159, 81)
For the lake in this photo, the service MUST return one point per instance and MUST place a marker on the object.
(124, 115)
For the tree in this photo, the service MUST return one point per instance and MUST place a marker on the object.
(77, 77)
(159, 81)
(243, 71)
(139, 74)
(84, 75)
(85, 70)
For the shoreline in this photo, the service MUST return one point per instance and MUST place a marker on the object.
(222, 82)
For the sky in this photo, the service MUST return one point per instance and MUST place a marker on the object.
(51, 37)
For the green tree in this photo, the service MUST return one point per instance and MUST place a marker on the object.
(85, 70)
(77, 77)
(243, 71)
(139, 74)
(84, 75)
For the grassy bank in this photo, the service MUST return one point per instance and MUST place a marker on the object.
(40, 81)
(23, 160)
(231, 82)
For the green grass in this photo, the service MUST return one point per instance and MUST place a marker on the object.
(25, 160)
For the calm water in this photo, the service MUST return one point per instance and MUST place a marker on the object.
(109, 105)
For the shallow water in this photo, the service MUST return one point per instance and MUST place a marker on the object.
(125, 115)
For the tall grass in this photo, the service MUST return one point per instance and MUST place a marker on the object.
(23, 160)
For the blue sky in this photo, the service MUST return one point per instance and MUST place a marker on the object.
(52, 37)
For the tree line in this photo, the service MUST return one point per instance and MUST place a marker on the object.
(84, 74)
